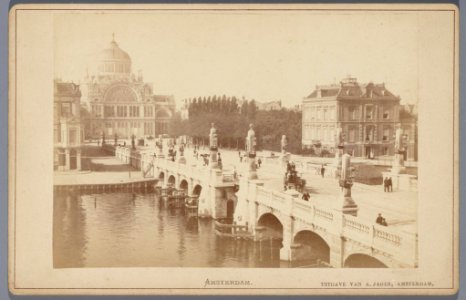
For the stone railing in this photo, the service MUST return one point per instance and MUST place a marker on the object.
(142, 160)
(401, 245)
(398, 243)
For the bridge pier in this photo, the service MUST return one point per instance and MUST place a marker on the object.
(213, 201)
(246, 211)
(336, 251)
(286, 252)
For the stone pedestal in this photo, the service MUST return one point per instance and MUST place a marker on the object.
(213, 163)
(252, 168)
(398, 164)
(182, 160)
(345, 203)
(284, 158)
(335, 167)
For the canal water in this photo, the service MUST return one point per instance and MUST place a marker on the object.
(136, 230)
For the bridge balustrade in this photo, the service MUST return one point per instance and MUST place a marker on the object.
(385, 239)
(382, 238)
(198, 172)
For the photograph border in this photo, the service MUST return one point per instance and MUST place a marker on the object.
(13, 164)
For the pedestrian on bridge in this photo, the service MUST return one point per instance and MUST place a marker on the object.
(322, 171)
(306, 196)
(259, 161)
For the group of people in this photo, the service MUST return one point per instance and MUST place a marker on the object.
(381, 220)
(205, 158)
(387, 184)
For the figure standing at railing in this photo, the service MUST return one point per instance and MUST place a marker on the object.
(251, 152)
(306, 196)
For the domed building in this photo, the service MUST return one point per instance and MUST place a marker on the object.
(120, 102)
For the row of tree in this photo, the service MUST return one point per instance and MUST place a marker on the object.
(233, 123)
(221, 105)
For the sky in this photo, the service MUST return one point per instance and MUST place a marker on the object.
(265, 56)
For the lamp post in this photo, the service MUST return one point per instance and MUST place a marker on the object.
(346, 203)
(213, 146)
(398, 158)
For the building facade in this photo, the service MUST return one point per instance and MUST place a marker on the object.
(368, 114)
(120, 103)
(67, 130)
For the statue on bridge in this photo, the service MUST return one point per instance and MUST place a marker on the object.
(251, 152)
(284, 144)
(181, 158)
(251, 142)
(159, 147)
(213, 145)
(284, 157)
(347, 204)
(213, 140)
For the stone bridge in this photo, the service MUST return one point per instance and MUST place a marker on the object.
(341, 240)
(215, 188)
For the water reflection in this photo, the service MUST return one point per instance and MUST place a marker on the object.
(137, 230)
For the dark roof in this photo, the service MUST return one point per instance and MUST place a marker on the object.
(352, 89)
(66, 89)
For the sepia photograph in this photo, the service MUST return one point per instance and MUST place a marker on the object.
(236, 140)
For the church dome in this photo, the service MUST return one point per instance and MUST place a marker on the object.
(114, 60)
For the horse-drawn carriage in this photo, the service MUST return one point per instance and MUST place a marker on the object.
(292, 180)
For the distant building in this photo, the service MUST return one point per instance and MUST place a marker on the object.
(67, 130)
(121, 103)
(297, 107)
(368, 114)
(272, 105)
(184, 110)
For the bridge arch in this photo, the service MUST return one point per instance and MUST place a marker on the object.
(161, 178)
(197, 190)
(360, 260)
(184, 185)
(272, 223)
(172, 180)
(313, 246)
